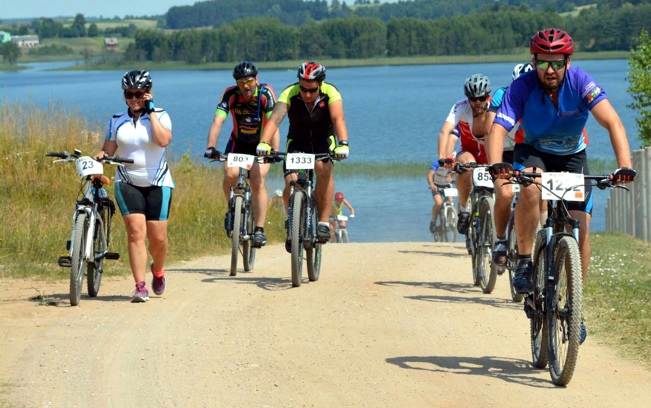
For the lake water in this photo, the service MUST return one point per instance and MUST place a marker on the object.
(393, 114)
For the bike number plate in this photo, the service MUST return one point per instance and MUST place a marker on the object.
(342, 218)
(481, 177)
(515, 187)
(568, 186)
(299, 161)
(244, 161)
(450, 192)
(87, 166)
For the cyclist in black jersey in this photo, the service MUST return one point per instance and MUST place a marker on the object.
(316, 118)
(250, 104)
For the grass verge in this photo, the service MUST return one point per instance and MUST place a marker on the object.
(617, 296)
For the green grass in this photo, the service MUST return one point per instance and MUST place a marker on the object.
(617, 301)
(37, 196)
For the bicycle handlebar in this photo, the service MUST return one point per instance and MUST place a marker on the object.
(64, 155)
(601, 181)
(318, 156)
(461, 168)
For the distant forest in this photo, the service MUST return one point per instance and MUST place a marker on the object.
(487, 28)
(298, 12)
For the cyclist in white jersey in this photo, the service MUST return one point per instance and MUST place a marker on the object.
(143, 190)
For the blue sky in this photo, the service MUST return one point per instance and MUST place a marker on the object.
(30, 9)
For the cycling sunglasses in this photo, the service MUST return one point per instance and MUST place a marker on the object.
(137, 95)
(556, 65)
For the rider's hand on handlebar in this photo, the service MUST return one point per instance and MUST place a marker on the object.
(447, 162)
(263, 149)
(351, 216)
(501, 170)
(212, 153)
(623, 175)
(341, 151)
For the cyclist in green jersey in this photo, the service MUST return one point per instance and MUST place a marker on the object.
(316, 125)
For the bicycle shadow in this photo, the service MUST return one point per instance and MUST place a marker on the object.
(441, 253)
(486, 301)
(447, 286)
(505, 369)
(63, 299)
(222, 275)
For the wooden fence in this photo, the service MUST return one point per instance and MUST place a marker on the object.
(629, 212)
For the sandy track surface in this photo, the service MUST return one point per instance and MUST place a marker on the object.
(387, 325)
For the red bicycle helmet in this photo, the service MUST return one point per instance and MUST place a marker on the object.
(339, 196)
(311, 71)
(551, 41)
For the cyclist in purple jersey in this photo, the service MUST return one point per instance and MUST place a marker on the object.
(553, 105)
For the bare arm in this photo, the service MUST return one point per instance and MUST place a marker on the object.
(160, 134)
(445, 139)
(350, 207)
(430, 180)
(605, 114)
(337, 114)
(495, 143)
(490, 116)
(215, 130)
(271, 128)
(109, 148)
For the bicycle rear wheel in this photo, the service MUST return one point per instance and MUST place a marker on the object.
(237, 230)
(344, 235)
(486, 270)
(564, 317)
(96, 268)
(449, 224)
(297, 221)
(77, 258)
(535, 306)
(512, 259)
(248, 250)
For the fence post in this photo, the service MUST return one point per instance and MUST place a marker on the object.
(638, 220)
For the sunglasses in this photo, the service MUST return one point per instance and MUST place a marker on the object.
(137, 95)
(243, 81)
(309, 90)
(480, 99)
(556, 65)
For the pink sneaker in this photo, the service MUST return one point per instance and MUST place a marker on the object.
(157, 284)
(141, 293)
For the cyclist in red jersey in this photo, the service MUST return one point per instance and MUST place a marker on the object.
(470, 116)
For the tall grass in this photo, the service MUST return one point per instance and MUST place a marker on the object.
(37, 196)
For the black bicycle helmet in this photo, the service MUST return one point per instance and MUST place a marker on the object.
(244, 69)
(136, 78)
(476, 86)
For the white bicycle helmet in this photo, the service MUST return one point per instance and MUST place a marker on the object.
(521, 69)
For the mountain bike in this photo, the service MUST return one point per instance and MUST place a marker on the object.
(240, 219)
(512, 249)
(340, 231)
(303, 215)
(556, 303)
(480, 236)
(446, 222)
(91, 223)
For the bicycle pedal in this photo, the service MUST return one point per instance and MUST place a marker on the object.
(112, 255)
(64, 262)
(68, 245)
(500, 270)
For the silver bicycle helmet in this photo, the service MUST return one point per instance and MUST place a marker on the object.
(136, 79)
(476, 86)
(311, 71)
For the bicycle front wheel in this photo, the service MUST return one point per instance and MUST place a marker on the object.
(77, 258)
(248, 250)
(535, 306)
(564, 316)
(237, 231)
(297, 222)
(344, 235)
(512, 260)
(449, 224)
(486, 270)
(96, 268)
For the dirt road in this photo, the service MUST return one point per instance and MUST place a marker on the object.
(387, 325)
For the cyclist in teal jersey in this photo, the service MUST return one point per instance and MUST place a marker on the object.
(250, 104)
(316, 125)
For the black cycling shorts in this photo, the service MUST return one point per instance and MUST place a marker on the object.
(526, 156)
(153, 201)
(235, 146)
(315, 147)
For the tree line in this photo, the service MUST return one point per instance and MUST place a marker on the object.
(215, 13)
(505, 29)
